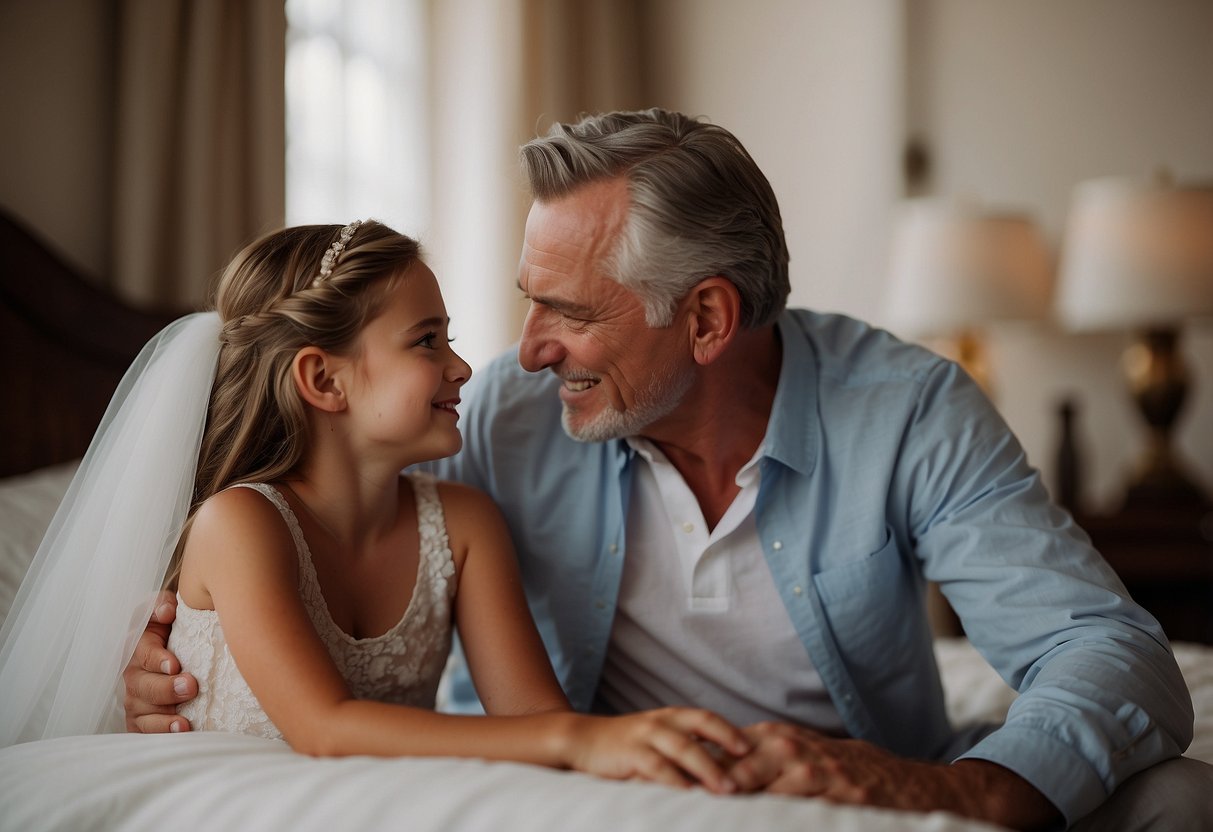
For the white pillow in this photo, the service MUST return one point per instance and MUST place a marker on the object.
(27, 504)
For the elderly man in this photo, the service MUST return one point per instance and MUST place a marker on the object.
(745, 503)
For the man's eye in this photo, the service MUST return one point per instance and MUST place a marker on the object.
(427, 340)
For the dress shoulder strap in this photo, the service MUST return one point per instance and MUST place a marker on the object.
(437, 563)
(425, 486)
(269, 492)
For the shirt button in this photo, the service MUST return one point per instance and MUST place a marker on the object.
(600, 605)
(777, 545)
(613, 548)
(796, 590)
(688, 527)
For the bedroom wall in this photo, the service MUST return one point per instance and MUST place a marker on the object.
(55, 82)
(813, 90)
(1017, 101)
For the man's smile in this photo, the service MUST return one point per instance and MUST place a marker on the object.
(576, 385)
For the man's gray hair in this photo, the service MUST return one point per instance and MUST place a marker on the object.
(699, 206)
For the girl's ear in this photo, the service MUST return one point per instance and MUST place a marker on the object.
(715, 307)
(314, 372)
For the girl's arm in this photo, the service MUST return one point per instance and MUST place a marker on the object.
(512, 673)
(509, 664)
(240, 556)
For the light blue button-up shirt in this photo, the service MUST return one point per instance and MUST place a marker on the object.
(883, 467)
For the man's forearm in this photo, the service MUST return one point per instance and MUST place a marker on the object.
(988, 791)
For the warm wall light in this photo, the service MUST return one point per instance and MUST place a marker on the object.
(956, 267)
(1138, 256)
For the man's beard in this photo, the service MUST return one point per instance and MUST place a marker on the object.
(665, 391)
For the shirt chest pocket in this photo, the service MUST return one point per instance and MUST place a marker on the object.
(873, 608)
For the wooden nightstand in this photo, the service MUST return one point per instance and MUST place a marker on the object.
(1164, 555)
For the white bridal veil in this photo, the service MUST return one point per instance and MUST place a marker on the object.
(89, 591)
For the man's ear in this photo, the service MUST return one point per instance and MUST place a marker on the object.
(714, 317)
(314, 372)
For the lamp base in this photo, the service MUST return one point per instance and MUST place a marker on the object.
(1158, 381)
(1165, 486)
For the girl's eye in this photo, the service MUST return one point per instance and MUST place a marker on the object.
(428, 340)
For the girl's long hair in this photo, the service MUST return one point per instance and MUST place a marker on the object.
(271, 305)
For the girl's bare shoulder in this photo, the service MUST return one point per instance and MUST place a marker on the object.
(232, 533)
(240, 517)
(461, 500)
(473, 520)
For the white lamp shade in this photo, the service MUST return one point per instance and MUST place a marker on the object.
(1136, 254)
(955, 267)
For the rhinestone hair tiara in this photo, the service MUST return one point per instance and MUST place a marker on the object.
(334, 251)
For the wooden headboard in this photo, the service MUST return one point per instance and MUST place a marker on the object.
(66, 344)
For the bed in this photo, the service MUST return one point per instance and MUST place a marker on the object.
(73, 342)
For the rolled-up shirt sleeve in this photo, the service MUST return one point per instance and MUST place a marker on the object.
(1101, 696)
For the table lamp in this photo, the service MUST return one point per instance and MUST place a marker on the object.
(1138, 256)
(956, 267)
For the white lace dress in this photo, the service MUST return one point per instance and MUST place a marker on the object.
(403, 665)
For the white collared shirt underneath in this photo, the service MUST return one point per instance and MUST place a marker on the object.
(699, 621)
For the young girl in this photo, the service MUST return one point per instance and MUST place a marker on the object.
(317, 585)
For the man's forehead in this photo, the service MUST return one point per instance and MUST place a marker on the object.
(555, 241)
(584, 219)
(572, 236)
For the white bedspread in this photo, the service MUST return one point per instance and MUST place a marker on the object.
(234, 782)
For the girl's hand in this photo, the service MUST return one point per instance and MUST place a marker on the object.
(663, 746)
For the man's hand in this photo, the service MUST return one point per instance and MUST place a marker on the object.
(790, 760)
(154, 684)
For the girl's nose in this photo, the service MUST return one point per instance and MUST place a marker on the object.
(457, 370)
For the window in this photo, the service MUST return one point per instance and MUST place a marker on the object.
(356, 124)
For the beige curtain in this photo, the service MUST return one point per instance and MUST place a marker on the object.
(502, 71)
(199, 142)
(581, 56)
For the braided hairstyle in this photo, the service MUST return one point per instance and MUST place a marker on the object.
(272, 303)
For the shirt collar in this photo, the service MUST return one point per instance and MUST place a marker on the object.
(792, 432)
(650, 453)
(791, 436)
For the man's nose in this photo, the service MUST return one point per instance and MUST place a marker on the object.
(537, 350)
